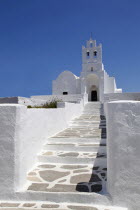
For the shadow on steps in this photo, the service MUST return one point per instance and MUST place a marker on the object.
(97, 182)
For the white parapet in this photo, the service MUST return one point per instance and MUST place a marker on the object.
(22, 134)
(123, 153)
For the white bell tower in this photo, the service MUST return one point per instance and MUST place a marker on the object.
(92, 70)
(91, 57)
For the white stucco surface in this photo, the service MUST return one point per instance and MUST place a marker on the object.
(41, 99)
(121, 96)
(66, 82)
(7, 147)
(49, 98)
(123, 153)
(22, 134)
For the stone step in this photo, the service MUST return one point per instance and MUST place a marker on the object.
(84, 129)
(81, 134)
(21, 205)
(88, 114)
(92, 110)
(75, 147)
(84, 198)
(75, 144)
(93, 114)
(76, 140)
(72, 158)
(91, 106)
(81, 187)
(79, 154)
(88, 118)
(77, 126)
(78, 132)
(95, 111)
(67, 178)
(87, 122)
(86, 126)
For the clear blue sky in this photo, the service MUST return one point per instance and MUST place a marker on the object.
(41, 38)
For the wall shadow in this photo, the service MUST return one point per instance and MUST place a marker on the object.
(97, 181)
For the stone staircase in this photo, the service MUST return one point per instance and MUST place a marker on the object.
(74, 160)
(71, 169)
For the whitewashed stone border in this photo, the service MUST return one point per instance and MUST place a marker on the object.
(22, 133)
(123, 153)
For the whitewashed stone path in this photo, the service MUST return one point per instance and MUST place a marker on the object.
(72, 167)
(75, 159)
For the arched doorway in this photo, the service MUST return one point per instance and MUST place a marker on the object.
(92, 85)
(93, 95)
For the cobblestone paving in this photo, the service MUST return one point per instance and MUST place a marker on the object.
(65, 178)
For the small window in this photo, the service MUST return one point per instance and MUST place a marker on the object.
(87, 54)
(91, 68)
(95, 54)
(91, 44)
(65, 93)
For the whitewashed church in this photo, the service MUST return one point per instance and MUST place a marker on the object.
(93, 80)
(82, 154)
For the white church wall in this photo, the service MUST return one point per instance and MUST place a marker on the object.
(123, 153)
(23, 133)
(48, 98)
(78, 86)
(66, 82)
(109, 84)
(101, 85)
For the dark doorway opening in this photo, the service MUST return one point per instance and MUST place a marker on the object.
(65, 93)
(93, 95)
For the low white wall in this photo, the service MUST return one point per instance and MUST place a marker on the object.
(123, 153)
(42, 99)
(22, 134)
(39, 100)
(121, 96)
(9, 100)
(7, 148)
